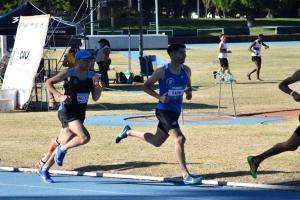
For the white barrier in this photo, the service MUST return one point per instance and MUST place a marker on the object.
(8, 100)
(161, 31)
(6, 105)
(120, 42)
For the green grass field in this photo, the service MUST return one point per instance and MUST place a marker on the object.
(214, 151)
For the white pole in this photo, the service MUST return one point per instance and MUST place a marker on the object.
(91, 17)
(198, 9)
(3, 47)
(233, 102)
(141, 40)
(156, 16)
(129, 50)
(220, 93)
(129, 37)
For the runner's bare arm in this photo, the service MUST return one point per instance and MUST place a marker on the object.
(250, 47)
(188, 90)
(56, 79)
(284, 85)
(149, 84)
(106, 52)
(97, 90)
(221, 49)
(265, 45)
(189, 72)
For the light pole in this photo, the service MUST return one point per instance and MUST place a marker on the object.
(198, 9)
(156, 16)
(140, 8)
(91, 17)
(129, 36)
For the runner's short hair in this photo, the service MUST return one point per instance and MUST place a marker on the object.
(105, 42)
(175, 47)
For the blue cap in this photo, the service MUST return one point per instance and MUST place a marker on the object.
(83, 54)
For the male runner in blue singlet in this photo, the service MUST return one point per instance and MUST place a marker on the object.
(174, 80)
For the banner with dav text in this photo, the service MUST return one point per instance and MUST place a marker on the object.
(26, 56)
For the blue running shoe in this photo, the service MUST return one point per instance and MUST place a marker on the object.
(192, 180)
(45, 176)
(59, 156)
(122, 134)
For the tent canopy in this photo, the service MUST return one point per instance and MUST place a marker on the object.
(9, 22)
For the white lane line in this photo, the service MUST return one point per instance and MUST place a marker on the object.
(158, 179)
(66, 189)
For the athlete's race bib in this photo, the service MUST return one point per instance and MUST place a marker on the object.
(175, 93)
(82, 98)
(256, 51)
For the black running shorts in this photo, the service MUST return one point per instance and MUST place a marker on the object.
(224, 62)
(66, 117)
(256, 59)
(167, 120)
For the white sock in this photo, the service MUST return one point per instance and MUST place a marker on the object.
(44, 168)
(62, 148)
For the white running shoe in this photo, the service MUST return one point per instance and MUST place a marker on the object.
(192, 180)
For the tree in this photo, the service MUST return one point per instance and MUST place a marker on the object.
(207, 4)
(54, 7)
(82, 6)
(7, 5)
(224, 5)
(112, 9)
(254, 6)
(281, 8)
(288, 8)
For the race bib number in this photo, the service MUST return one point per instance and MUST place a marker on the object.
(82, 98)
(175, 93)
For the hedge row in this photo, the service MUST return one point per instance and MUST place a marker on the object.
(241, 38)
(204, 23)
